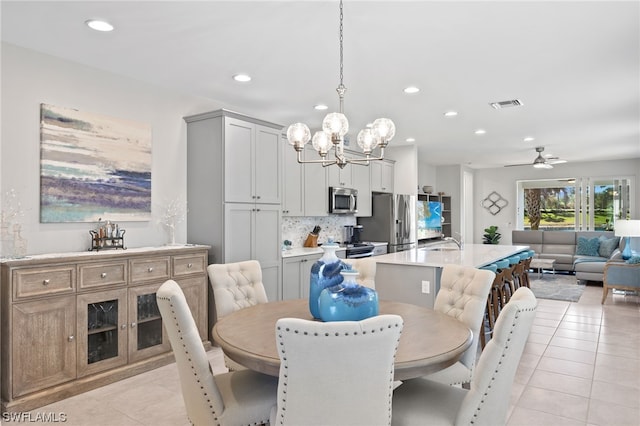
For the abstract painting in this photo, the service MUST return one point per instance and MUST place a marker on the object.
(93, 166)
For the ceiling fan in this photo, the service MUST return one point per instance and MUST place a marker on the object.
(541, 162)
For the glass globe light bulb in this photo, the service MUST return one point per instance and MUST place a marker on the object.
(321, 142)
(335, 124)
(298, 134)
(366, 141)
(384, 130)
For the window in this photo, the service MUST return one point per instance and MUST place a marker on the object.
(550, 208)
(573, 204)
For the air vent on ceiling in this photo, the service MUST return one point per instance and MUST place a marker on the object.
(506, 104)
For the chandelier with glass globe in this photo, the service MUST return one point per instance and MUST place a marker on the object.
(334, 128)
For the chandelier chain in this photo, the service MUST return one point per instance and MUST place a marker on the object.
(335, 127)
(341, 48)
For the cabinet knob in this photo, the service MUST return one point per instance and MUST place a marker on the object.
(133, 325)
(71, 338)
(190, 265)
(257, 210)
(45, 282)
(103, 275)
(258, 197)
(123, 326)
(150, 269)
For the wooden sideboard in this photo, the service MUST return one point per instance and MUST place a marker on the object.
(72, 322)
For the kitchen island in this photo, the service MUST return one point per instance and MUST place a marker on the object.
(413, 276)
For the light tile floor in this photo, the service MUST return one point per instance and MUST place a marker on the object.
(581, 366)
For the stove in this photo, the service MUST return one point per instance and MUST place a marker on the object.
(357, 250)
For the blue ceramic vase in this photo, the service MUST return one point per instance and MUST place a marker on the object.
(348, 301)
(324, 273)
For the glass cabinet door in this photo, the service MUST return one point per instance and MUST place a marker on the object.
(102, 319)
(146, 333)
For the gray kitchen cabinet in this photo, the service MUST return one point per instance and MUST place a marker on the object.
(252, 162)
(252, 231)
(292, 182)
(316, 195)
(296, 273)
(382, 176)
(361, 176)
(341, 178)
(233, 159)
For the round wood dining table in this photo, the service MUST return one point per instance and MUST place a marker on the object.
(430, 340)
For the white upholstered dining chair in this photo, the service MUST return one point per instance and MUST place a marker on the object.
(236, 286)
(336, 373)
(366, 268)
(241, 397)
(463, 295)
(426, 402)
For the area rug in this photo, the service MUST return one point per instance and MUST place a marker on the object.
(556, 287)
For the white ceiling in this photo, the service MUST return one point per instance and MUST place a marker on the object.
(574, 64)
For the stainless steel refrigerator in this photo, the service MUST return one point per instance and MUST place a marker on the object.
(393, 220)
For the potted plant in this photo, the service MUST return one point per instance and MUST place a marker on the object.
(491, 235)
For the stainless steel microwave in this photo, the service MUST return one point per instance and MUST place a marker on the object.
(343, 200)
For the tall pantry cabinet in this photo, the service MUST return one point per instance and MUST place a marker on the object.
(234, 166)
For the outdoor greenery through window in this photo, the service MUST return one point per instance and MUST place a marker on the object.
(563, 204)
(550, 208)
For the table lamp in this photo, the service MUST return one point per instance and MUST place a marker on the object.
(627, 229)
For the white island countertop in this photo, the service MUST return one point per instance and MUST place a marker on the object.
(474, 255)
(305, 251)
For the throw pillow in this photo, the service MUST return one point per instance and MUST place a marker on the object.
(616, 255)
(588, 246)
(633, 259)
(607, 246)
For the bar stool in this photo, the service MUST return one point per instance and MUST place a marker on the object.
(485, 328)
(496, 300)
(519, 271)
(512, 278)
(527, 265)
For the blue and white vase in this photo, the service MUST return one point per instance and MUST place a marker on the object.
(324, 273)
(348, 301)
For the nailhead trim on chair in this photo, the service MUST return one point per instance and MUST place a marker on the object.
(286, 376)
(215, 415)
(506, 348)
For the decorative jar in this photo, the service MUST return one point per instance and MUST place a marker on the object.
(324, 273)
(348, 301)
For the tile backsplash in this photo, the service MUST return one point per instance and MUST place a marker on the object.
(296, 229)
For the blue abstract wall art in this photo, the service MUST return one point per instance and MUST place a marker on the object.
(93, 166)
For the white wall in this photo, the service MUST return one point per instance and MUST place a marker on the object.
(503, 181)
(427, 176)
(29, 79)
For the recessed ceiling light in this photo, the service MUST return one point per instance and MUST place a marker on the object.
(411, 140)
(480, 132)
(320, 107)
(529, 139)
(451, 113)
(98, 25)
(243, 78)
(411, 89)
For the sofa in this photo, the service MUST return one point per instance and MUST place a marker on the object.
(582, 252)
